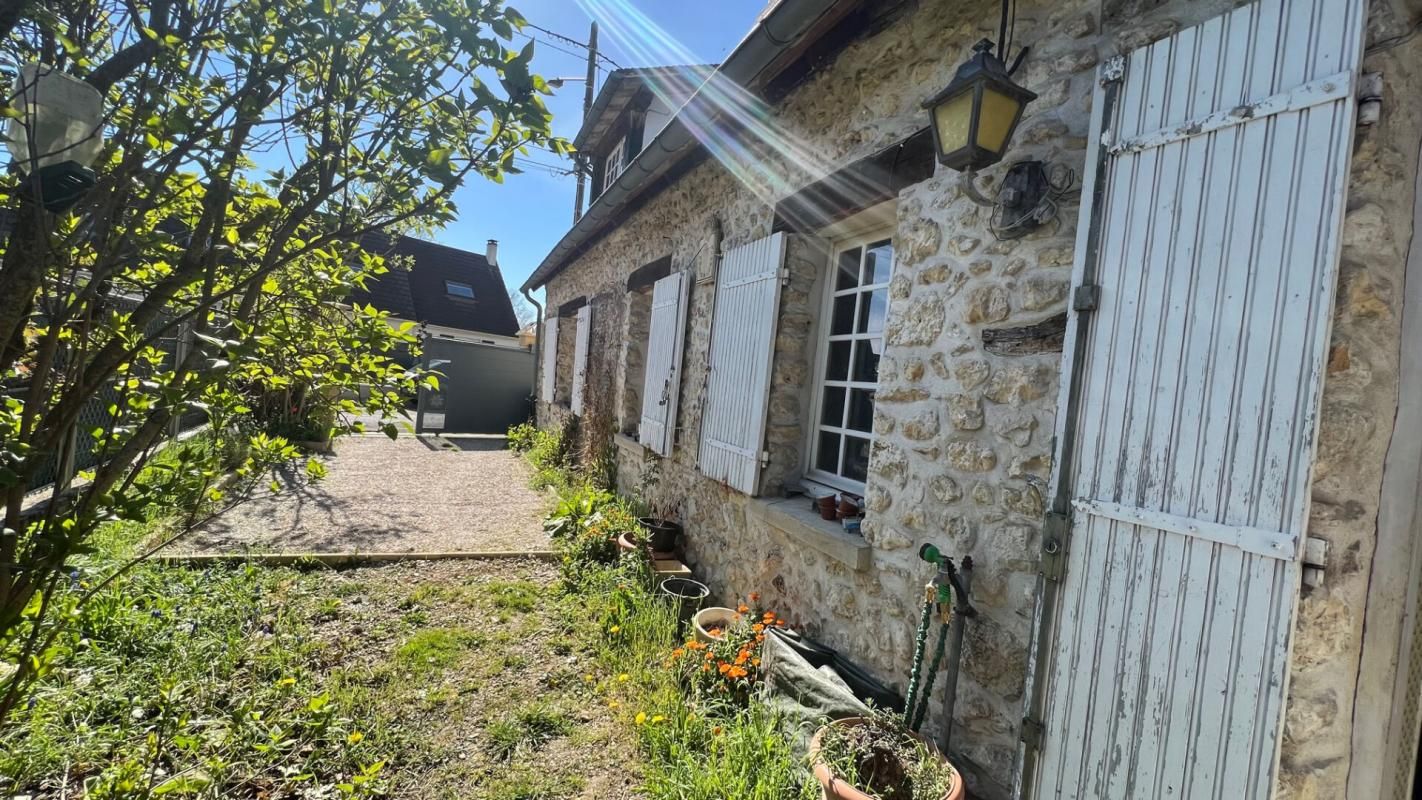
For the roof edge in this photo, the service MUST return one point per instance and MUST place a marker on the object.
(774, 33)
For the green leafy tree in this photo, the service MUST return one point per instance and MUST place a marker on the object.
(249, 145)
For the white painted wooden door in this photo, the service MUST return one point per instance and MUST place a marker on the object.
(742, 351)
(580, 357)
(662, 381)
(1192, 409)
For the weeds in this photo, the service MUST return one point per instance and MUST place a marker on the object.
(528, 727)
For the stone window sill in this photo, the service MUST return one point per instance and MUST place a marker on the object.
(792, 516)
(631, 446)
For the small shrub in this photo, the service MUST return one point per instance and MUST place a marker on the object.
(522, 437)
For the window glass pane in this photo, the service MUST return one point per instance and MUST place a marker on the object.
(872, 310)
(856, 458)
(861, 410)
(459, 289)
(879, 262)
(827, 454)
(832, 412)
(843, 315)
(866, 361)
(848, 272)
(838, 367)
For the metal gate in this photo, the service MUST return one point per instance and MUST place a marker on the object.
(485, 388)
(1171, 558)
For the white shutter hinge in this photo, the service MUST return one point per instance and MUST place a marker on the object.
(764, 458)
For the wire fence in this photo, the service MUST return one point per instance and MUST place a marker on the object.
(79, 448)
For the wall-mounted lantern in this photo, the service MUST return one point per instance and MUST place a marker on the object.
(974, 116)
(57, 130)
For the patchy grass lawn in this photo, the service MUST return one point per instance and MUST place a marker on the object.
(422, 680)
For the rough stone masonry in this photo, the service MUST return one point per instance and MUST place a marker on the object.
(963, 447)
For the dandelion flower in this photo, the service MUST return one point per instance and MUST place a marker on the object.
(615, 629)
(355, 737)
(641, 717)
(658, 718)
(623, 678)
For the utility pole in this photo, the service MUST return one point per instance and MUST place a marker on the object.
(580, 162)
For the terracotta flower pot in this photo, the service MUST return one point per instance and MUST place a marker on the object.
(710, 623)
(629, 542)
(837, 787)
(826, 506)
(848, 507)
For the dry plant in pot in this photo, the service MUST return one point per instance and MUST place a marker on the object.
(875, 758)
(661, 527)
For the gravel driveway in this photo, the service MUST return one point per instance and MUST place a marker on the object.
(424, 494)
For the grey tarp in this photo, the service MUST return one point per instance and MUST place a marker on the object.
(805, 695)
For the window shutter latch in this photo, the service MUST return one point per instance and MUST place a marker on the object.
(1087, 297)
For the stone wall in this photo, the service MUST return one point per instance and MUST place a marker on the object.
(1360, 401)
(963, 446)
(634, 361)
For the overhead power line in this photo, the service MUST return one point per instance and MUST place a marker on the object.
(570, 40)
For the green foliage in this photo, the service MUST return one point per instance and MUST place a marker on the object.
(522, 437)
(249, 149)
(188, 682)
(698, 747)
(577, 506)
(528, 727)
(434, 649)
(519, 596)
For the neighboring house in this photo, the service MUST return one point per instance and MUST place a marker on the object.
(470, 333)
(453, 293)
(1165, 424)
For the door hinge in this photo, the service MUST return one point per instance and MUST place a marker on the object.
(1114, 70)
(1031, 733)
(1054, 537)
(1087, 297)
(764, 458)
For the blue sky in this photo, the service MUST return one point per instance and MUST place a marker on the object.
(529, 212)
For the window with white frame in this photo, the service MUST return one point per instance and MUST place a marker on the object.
(847, 363)
(615, 163)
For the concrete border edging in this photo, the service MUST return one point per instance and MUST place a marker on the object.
(346, 559)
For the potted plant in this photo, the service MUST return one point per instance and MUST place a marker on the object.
(876, 758)
(661, 527)
(629, 542)
(711, 623)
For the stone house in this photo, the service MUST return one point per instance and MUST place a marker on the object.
(1170, 417)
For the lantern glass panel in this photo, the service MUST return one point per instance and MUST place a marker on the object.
(996, 119)
(953, 119)
(64, 115)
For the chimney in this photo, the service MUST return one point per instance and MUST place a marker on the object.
(491, 254)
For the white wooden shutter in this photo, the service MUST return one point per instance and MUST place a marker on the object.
(1193, 410)
(742, 348)
(550, 359)
(662, 383)
(580, 358)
